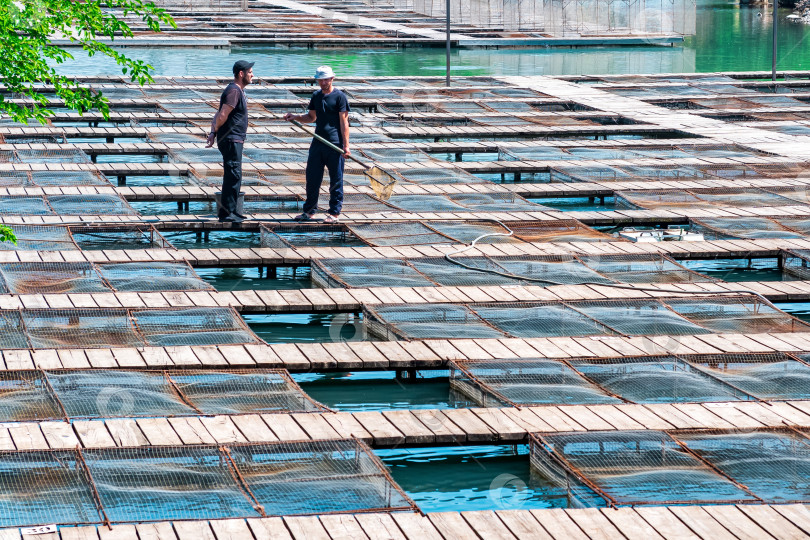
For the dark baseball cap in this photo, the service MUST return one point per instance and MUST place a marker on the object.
(242, 65)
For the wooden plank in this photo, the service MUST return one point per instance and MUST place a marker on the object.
(701, 523)
(284, 427)
(343, 527)
(522, 524)
(193, 530)
(772, 521)
(78, 533)
(27, 436)
(93, 434)
(474, 428)
(118, 532)
(222, 429)
(383, 431)
(414, 431)
(59, 434)
(155, 531)
(558, 524)
(158, 431)
(486, 524)
(452, 525)
(416, 526)
(191, 430)
(306, 528)
(271, 528)
(254, 428)
(230, 529)
(798, 514)
(666, 523)
(736, 522)
(629, 523)
(593, 523)
(444, 430)
(379, 526)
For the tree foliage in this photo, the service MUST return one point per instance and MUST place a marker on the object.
(7, 235)
(27, 28)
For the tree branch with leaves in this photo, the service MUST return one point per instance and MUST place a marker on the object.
(27, 31)
(7, 235)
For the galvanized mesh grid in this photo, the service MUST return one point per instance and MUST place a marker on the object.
(634, 379)
(119, 485)
(748, 228)
(796, 263)
(306, 235)
(739, 197)
(118, 237)
(51, 178)
(105, 328)
(40, 238)
(711, 314)
(66, 205)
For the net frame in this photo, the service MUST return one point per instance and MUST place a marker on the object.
(156, 239)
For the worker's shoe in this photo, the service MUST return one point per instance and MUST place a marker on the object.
(231, 218)
(304, 216)
(331, 219)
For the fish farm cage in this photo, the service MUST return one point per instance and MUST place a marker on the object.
(86, 277)
(741, 314)
(689, 378)
(88, 328)
(634, 468)
(526, 270)
(200, 482)
(60, 394)
(67, 238)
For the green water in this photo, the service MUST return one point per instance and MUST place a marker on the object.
(247, 278)
(306, 327)
(730, 36)
(381, 390)
(471, 478)
(737, 270)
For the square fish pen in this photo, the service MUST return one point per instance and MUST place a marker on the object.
(632, 379)
(36, 395)
(201, 482)
(795, 263)
(651, 317)
(87, 328)
(633, 468)
(118, 237)
(85, 277)
(517, 270)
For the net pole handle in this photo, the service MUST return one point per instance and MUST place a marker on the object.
(329, 144)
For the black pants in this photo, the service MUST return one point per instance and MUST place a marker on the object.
(321, 156)
(232, 175)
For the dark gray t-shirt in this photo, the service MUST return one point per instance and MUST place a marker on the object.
(327, 114)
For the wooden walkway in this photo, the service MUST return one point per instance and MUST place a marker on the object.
(339, 300)
(743, 522)
(429, 354)
(401, 428)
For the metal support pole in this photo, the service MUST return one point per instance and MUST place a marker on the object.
(448, 41)
(775, 24)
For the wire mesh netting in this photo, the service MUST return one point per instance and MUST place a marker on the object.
(711, 313)
(58, 278)
(740, 197)
(796, 263)
(110, 393)
(736, 228)
(119, 237)
(633, 379)
(539, 270)
(51, 178)
(97, 327)
(677, 467)
(40, 238)
(66, 205)
(118, 485)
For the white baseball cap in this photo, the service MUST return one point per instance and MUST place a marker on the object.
(324, 72)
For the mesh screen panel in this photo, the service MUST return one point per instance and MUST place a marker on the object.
(646, 268)
(79, 328)
(524, 382)
(638, 318)
(424, 322)
(193, 326)
(766, 376)
(44, 487)
(655, 379)
(317, 477)
(737, 314)
(796, 263)
(540, 320)
(636, 467)
(156, 484)
(26, 397)
(101, 205)
(397, 234)
(152, 276)
(366, 273)
(52, 278)
(735, 228)
(773, 465)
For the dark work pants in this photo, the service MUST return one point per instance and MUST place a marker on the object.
(232, 175)
(321, 156)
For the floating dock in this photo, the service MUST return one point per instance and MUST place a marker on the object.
(115, 218)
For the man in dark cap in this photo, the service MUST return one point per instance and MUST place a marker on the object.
(229, 130)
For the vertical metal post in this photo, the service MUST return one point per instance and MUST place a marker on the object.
(448, 41)
(775, 24)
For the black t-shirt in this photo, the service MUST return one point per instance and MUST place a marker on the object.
(327, 117)
(235, 127)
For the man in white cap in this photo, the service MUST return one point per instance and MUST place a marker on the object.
(329, 109)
